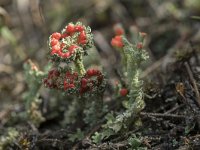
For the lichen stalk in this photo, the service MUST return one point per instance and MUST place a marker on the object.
(79, 65)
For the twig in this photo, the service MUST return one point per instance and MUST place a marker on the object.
(195, 136)
(49, 141)
(163, 115)
(114, 146)
(193, 82)
(33, 127)
(174, 109)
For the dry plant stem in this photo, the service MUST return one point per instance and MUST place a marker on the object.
(174, 109)
(185, 101)
(114, 146)
(193, 82)
(48, 140)
(33, 127)
(163, 115)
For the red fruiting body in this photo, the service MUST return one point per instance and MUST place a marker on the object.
(71, 85)
(75, 74)
(139, 45)
(117, 41)
(56, 73)
(56, 35)
(142, 34)
(56, 47)
(45, 81)
(53, 73)
(69, 80)
(64, 42)
(119, 31)
(64, 35)
(83, 90)
(82, 35)
(59, 53)
(68, 74)
(82, 38)
(53, 52)
(82, 42)
(68, 86)
(79, 28)
(98, 72)
(90, 72)
(93, 72)
(116, 83)
(66, 55)
(123, 92)
(71, 76)
(52, 80)
(54, 41)
(62, 45)
(72, 48)
(83, 82)
(100, 79)
(65, 85)
(70, 29)
(93, 78)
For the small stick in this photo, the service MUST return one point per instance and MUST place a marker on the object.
(174, 109)
(193, 82)
(163, 115)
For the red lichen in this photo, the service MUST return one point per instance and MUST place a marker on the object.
(117, 41)
(123, 92)
(139, 45)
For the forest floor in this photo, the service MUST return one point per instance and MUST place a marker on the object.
(171, 117)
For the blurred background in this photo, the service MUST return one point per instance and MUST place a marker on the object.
(25, 26)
